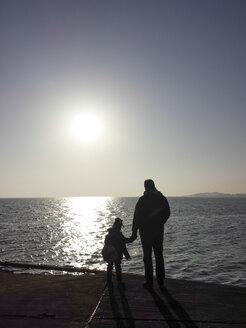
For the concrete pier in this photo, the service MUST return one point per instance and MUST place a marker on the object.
(47, 301)
(83, 301)
(180, 304)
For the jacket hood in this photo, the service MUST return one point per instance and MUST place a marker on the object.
(153, 192)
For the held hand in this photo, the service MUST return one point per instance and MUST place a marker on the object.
(133, 237)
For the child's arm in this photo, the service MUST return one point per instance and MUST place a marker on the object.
(124, 249)
(125, 252)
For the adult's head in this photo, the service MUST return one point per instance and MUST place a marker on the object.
(149, 185)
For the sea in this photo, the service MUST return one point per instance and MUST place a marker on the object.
(204, 237)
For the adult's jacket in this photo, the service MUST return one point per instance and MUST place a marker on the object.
(151, 212)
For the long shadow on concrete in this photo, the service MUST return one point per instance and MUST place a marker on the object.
(126, 308)
(177, 308)
(127, 321)
(164, 304)
(164, 310)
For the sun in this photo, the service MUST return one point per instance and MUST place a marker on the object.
(87, 127)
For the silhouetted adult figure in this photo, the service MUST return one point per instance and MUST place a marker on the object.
(151, 213)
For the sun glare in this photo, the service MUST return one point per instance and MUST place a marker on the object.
(87, 127)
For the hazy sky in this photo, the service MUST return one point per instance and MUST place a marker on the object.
(164, 80)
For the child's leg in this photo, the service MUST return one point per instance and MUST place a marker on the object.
(118, 270)
(109, 272)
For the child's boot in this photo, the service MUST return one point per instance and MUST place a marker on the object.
(109, 273)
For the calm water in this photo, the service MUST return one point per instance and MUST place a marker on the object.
(204, 238)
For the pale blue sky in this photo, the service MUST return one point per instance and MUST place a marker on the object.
(166, 78)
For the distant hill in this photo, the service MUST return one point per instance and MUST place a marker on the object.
(216, 194)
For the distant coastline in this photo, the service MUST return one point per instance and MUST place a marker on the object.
(196, 195)
(216, 195)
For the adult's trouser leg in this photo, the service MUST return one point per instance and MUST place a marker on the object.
(147, 258)
(160, 266)
(159, 259)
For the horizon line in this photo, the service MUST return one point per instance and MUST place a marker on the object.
(122, 196)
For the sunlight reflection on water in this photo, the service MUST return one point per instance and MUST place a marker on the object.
(204, 238)
(83, 230)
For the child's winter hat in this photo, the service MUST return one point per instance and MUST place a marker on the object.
(118, 222)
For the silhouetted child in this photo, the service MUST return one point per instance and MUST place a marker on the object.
(114, 249)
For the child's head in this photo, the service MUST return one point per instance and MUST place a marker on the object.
(117, 224)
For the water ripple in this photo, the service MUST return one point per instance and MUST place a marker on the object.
(204, 238)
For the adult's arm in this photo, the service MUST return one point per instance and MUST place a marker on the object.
(136, 219)
(166, 210)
